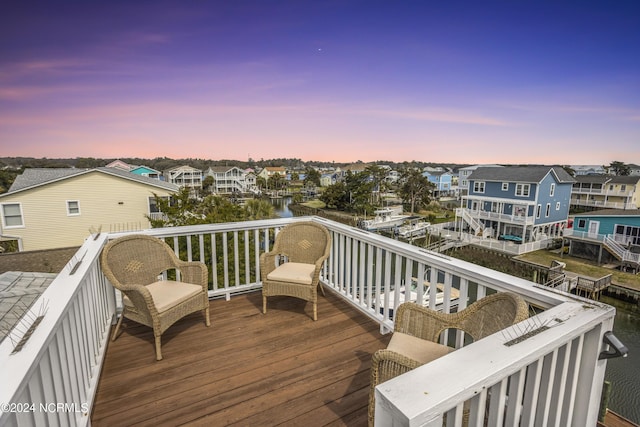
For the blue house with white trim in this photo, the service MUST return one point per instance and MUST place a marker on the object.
(441, 180)
(606, 236)
(517, 203)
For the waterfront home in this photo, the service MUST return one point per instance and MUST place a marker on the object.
(606, 191)
(520, 204)
(269, 171)
(606, 236)
(441, 180)
(57, 208)
(231, 179)
(251, 368)
(184, 176)
(146, 171)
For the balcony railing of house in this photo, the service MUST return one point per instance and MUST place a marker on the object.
(601, 204)
(545, 370)
(586, 190)
(572, 232)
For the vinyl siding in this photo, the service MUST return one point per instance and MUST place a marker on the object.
(44, 209)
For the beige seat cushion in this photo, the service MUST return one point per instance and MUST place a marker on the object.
(420, 350)
(293, 272)
(168, 293)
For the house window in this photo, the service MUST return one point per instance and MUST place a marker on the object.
(623, 187)
(582, 223)
(73, 207)
(505, 186)
(557, 206)
(12, 215)
(478, 186)
(552, 190)
(522, 190)
(548, 210)
(538, 210)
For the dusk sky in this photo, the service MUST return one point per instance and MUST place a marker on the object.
(435, 81)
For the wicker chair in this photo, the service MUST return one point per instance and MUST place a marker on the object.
(417, 330)
(305, 245)
(133, 264)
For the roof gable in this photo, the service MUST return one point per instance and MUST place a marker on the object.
(36, 177)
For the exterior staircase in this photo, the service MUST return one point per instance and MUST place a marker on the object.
(476, 226)
(620, 252)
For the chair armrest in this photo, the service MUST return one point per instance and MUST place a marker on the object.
(387, 364)
(195, 272)
(140, 297)
(267, 263)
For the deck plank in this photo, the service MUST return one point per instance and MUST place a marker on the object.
(281, 368)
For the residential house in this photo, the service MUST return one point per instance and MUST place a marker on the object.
(231, 179)
(518, 203)
(441, 180)
(57, 208)
(464, 174)
(606, 191)
(327, 179)
(270, 171)
(146, 171)
(606, 236)
(184, 176)
(119, 164)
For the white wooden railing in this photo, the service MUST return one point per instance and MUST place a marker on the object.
(53, 378)
(554, 372)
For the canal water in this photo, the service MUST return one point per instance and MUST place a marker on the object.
(623, 373)
(281, 207)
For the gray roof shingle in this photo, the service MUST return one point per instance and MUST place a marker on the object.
(39, 176)
(530, 174)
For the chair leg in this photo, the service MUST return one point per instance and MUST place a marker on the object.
(264, 305)
(158, 350)
(207, 320)
(117, 329)
(315, 311)
(321, 289)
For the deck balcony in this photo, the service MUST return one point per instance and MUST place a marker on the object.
(255, 369)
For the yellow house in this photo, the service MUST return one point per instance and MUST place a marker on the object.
(57, 208)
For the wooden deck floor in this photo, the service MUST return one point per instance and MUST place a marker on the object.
(247, 369)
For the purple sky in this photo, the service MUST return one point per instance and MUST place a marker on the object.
(463, 82)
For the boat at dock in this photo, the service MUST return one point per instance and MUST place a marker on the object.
(385, 218)
(415, 228)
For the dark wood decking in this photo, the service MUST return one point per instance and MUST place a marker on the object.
(247, 369)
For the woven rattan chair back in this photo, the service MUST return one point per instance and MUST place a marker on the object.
(136, 259)
(303, 242)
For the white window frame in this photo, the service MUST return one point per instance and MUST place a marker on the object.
(478, 187)
(505, 186)
(69, 213)
(520, 190)
(4, 218)
(547, 211)
(538, 211)
(552, 190)
(557, 206)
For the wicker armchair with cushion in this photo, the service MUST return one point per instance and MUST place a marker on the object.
(133, 265)
(305, 246)
(417, 331)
